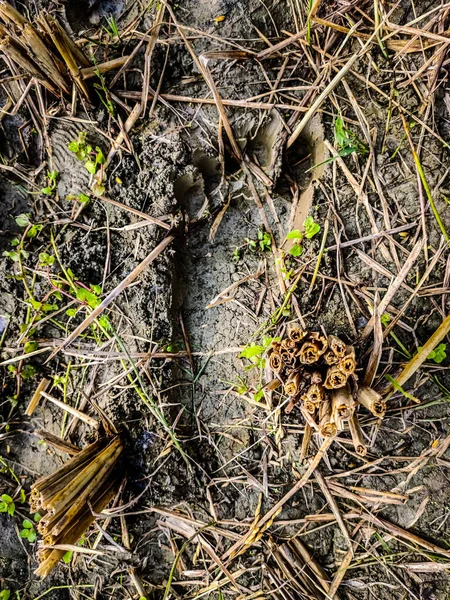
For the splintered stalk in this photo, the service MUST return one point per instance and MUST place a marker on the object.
(52, 557)
(67, 467)
(69, 51)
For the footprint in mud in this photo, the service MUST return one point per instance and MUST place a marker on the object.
(73, 177)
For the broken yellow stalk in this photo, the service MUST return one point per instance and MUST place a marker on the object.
(68, 50)
(417, 361)
(372, 400)
(327, 427)
(357, 436)
(42, 387)
(75, 533)
(94, 485)
(49, 63)
(67, 494)
(343, 405)
(66, 468)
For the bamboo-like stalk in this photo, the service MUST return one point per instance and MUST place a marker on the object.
(64, 497)
(315, 394)
(347, 364)
(12, 48)
(330, 357)
(73, 411)
(309, 352)
(338, 347)
(44, 58)
(357, 436)
(296, 334)
(57, 442)
(343, 405)
(327, 427)
(76, 531)
(9, 14)
(292, 385)
(82, 457)
(372, 400)
(306, 441)
(91, 488)
(68, 50)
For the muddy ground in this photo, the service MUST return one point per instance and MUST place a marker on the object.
(239, 452)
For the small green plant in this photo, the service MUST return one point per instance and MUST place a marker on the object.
(438, 355)
(311, 228)
(7, 505)
(5, 595)
(51, 183)
(254, 353)
(82, 198)
(94, 159)
(263, 242)
(111, 28)
(28, 532)
(346, 141)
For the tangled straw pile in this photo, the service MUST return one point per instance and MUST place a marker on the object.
(318, 372)
(72, 496)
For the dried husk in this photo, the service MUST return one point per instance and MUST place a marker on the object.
(275, 362)
(296, 334)
(347, 364)
(335, 378)
(292, 385)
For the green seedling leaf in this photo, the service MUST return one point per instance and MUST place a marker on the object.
(97, 289)
(34, 230)
(295, 234)
(46, 260)
(87, 297)
(83, 198)
(311, 227)
(5, 595)
(74, 146)
(67, 557)
(71, 312)
(100, 158)
(23, 220)
(91, 166)
(30, 347)
(28, 372)
(437, 355)
(296, 250)
(27, 524)
(49, 307)
(12, 255)
(252, 351)
(98, 189)
(15, 242)
(37, 517)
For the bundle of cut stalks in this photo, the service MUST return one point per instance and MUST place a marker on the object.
(72, 496)
(294, 568)
(318, 373)
(48, 54)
